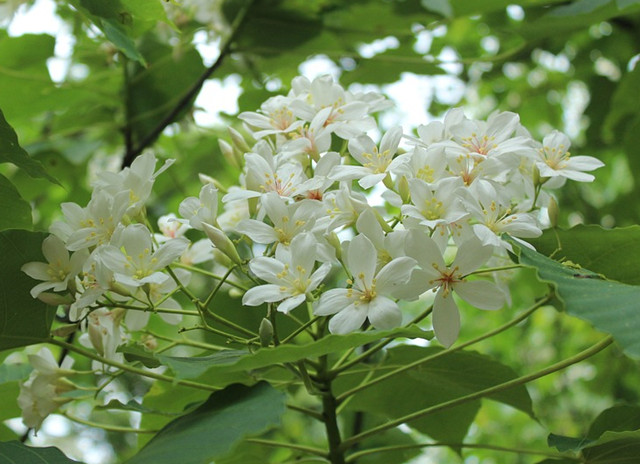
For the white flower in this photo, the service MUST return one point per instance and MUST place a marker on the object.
(287, 220)
(203, 209)
(497, 219)
(170, 227)
(554, 160)
(368, 296)
(435, 204)
(59, 271)
(376, 163)
(105, 335)
(274, 117)
(40, 394)
(136, 180)
(434, 273)
(290, 275)
(133, 259)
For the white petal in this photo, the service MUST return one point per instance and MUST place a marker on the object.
(36, 270)
(362, 258)
(169, 252)
(54, 250)
(257, 231)
(446, 319)
(471, 255)
(266, 268)
(480, 293)
(291, 303)
(318, 276)
(384, 313)
(349, 319)
(332, 301)
(268, 293)
(372, 179)
(394, 274)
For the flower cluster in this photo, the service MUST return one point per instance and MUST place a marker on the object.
(456, 193)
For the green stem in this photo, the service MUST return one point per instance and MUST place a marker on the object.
(204, 308)
(419, 362)
(209, 274)
(182, 312)
(495, 269)
(520, 451)
(308, 412)
(482, 393)
(300, 329)
(107, 427)
(329, 415)
(134, 370)
(187, 342)
(277, 444)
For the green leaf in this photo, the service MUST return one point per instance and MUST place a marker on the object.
(611, 252)
(442, 7)
(619, 418)
(12, 152)
(23, 319)
(610, 306)
(215, 427)
(134, 353)
(562, 443)
(443, 379)
(118, 37)
(622, 4)
(14, 452)
(236, 360)
(614, 447)
(15, 213)
(578, 8)
(153, 91)
(132, 406)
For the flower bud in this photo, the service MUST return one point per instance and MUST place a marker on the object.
(239, 141)
(228, 153)
(205, 179)
(552, 211)
(53, 299)
(334, 241)
(64, 330)
(403, 190)
(222, 242)
(266, 332)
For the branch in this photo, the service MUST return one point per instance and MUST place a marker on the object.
(131, 153)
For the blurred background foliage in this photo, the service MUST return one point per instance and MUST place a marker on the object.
(122, 76)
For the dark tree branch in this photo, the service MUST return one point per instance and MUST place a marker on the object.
(131, 152)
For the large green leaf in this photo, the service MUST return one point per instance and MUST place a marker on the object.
(153, 91)
(237, 360)
(23, 319)
(614, 447)
(443, 379)
(15, 213)
(619, 418)
(614, 253)
(215, 427)
(12, 152)
(610, 306)
(122, 21)
(14, 452)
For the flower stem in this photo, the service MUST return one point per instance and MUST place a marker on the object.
(134, 370)
(520, 451)
(348, 443)
(278, 444)
(107, 427)
(208, 274)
